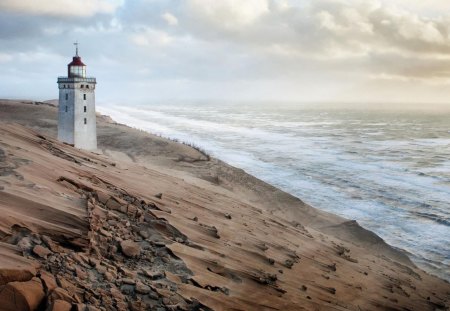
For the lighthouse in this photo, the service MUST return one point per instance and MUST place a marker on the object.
(76, 112)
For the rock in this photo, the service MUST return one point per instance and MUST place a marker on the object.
(127, 289)
(115, 204)
(101, 269)
(128, 281)
(79, 307)
(153, 275)
(159, 195)
(61, 294)
(112, 222)
(52, 245)
(80, 273)
(60, 305)
(144, 234)
(288, 263)
(49, 281)
(13, 275)
(228, 216)
(105, 233)
(141, 288)
(115, 293)
(128, 273)
(271, 261)
(108, 276)
(26, 296)
(131, 210)
(103, 197)
(130, 248)
(159, 243)
(41, 251)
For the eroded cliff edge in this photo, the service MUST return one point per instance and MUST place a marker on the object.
(122, 232)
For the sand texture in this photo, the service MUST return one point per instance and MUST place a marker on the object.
(146, 223)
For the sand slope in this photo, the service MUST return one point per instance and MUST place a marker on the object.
(119, 235)
(124, 144)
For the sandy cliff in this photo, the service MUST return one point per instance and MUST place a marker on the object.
(150, 223)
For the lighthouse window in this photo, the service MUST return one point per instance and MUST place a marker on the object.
(85, 121)
(66, 109)
(84, 96)
(67, 96)
(84, 108)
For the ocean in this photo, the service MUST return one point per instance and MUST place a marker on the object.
(387, 169)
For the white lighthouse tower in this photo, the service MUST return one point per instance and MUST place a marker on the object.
(76, 114)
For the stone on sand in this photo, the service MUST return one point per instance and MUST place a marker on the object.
(24, 296)
(41, 251)
(130, 248)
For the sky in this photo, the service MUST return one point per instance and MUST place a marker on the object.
(344, 51)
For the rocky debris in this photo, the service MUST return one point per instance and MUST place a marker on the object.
(41, 251)
(130, 248)
(211, 230)
(344, 252)
(158, 195)
(227, 216)
(288, 263)
(267, 279)
(16, 296)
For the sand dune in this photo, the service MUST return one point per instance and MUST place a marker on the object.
(158, 225)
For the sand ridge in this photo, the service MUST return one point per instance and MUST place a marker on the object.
(122, 236)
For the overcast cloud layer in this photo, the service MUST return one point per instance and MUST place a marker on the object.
(146, 50)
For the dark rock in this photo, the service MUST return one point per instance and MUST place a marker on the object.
(127, 289)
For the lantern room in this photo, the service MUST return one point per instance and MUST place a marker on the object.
(76, 69)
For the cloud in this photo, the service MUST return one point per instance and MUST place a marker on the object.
(227, 14)
(170, 19)
(81, 8)
(151, 37)
(289, 44)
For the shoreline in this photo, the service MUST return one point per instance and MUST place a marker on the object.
(415, 257)
(322, 252)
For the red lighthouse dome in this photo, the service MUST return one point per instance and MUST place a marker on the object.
(76, 69)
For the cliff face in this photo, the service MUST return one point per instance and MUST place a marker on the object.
(83, 230)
